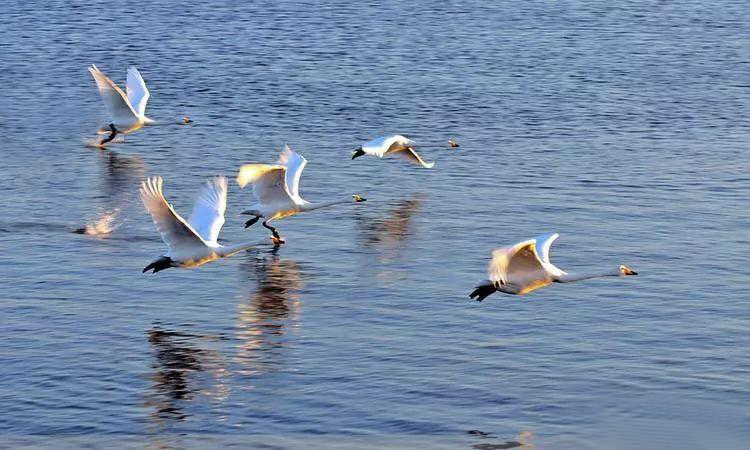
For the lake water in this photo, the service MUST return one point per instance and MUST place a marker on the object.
(621, 125)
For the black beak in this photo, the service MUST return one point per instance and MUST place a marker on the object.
(358, 153)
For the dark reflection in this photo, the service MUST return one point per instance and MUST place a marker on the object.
(393, 228)
(267, 314)
(386, 235)
(521, 441)
(121, 175)
(185, 367)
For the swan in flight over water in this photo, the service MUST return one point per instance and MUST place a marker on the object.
(128, 112)
(392, 145)
(194, 242)
(276, 187)
(525, 267)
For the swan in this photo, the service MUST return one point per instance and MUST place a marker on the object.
(194, 242)
(128, 112)
(525, 267)
(391, 145)
(276, 187)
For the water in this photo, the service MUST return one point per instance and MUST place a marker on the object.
(623, 127)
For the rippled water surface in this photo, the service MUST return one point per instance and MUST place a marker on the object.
(621, 125)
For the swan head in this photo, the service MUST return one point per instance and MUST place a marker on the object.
(357, 153)
(186, 119)
(162, 263)
(453, 143)
(358, 198)
(625, 270)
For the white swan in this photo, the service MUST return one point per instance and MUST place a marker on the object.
(525, 267)
(128, 112)
(194, 242)
(276, 187)
(392, 145)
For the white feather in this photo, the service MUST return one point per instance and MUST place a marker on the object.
(138, 93)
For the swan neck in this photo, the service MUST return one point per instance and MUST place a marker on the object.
(313, 206)
(570, 277)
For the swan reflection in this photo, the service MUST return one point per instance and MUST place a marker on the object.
(392, 229)
(267, 314)
(121, 174)
(186, 367)
(119, 178)
(387, 236)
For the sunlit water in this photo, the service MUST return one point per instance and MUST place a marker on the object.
(623, 126)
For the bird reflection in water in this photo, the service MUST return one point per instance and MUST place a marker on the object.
(267, 314)
(120, 175)
(187, 367)
(387, 235)
(521, 441)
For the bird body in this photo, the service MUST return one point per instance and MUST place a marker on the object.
(525, 267)
(276, 187)
(128, 112)
(193, 242)
(392, 145)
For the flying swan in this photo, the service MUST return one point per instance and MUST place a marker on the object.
(194, 242)
(525, 267)
(276, 187)
(128, 112)
(392, 145)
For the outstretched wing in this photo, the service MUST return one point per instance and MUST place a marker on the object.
(269, 182)
(294, 163)
(116, 101)
(207, 217)
(411, 155)
(376, 146)
(518, 265)
(386, 144)
(543, 244)
(138, 94)
(175, 232)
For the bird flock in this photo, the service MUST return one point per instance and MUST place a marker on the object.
(516, 269)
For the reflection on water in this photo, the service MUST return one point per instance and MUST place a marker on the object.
(120, 173)
(102, 225)
(387, 235)
(521, 441)
(120, 177)
(267, 313)
(186, 366)
(394, 228)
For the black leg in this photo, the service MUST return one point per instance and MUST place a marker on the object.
(251, 221)
(111, 135)
(273, 230)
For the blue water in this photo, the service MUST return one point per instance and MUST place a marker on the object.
(621, 125)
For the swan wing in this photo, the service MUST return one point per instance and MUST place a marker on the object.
(269, 182)
(543, 244)
(116, 101)
(175, 232)
(294, 163)
(138, 93)
(519, 266)
(378, 146)
(207, 217)
(411, 155)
